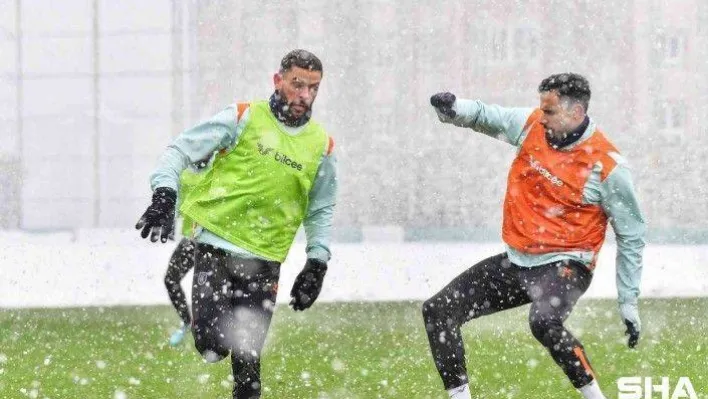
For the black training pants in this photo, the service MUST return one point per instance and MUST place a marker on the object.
(233, 301)
(495, 284)
(181, 261)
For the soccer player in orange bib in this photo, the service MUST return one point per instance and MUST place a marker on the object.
(567, 182)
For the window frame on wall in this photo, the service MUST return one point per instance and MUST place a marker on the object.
(511, 43)
(670, 46)
(671, 116)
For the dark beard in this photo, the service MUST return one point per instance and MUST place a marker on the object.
(568, 138)
(280, 108)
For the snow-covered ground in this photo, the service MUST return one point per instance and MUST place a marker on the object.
(116, 267)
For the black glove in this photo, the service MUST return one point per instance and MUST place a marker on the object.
(159, 216)
(308, 284)
(444, 102)
(633, 334)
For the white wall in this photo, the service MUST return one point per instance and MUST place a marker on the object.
(96, 105)
(110, 267)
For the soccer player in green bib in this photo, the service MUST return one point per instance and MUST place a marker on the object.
(274, 171)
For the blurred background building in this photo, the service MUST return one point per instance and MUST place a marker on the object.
(91, 91)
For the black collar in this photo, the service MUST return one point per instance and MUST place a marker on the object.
(569, 138)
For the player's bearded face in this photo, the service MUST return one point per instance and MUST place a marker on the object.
(298, 87)
(557, 117)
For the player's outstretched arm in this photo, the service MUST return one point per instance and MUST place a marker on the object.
(502, 123)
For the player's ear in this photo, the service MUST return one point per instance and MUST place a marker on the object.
(578, 111)
(277, 80)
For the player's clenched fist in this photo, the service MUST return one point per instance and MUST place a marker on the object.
(443, 103)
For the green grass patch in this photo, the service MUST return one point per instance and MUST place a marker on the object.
(342, 350)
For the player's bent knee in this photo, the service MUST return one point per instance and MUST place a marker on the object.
(539, 328)
(212, 357)
(211, 353)
(545, 330)
(210, 348)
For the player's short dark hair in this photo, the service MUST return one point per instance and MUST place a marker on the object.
(570, 86)
(302, 59)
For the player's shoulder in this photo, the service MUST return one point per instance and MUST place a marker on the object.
(329, 139)
(613, 167)
(329, 148)
(241, 109)
(619, 159)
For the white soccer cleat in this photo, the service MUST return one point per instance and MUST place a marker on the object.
(461, 392)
